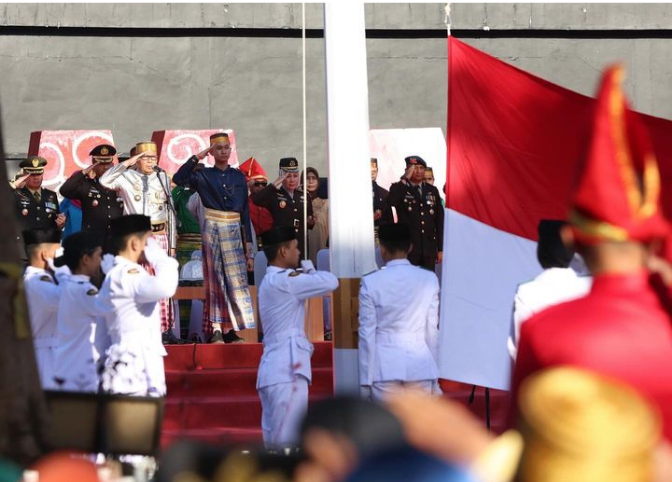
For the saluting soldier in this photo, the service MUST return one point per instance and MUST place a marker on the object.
(285, 201)
(418, 205)
(100, 205)
(36, 207)
(382, 213)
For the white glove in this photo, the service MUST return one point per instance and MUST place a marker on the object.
(107, 263)
(154, 252)
(50, 262)
(307, 266)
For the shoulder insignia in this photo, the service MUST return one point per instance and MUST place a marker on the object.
(46, 278)
(370, 272)
(294, 273)
(92, 292)
(133, 271)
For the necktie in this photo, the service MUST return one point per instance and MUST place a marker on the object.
(37, 196)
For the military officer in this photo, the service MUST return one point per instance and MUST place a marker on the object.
(285, 202)
(382, 213)
(398, 321)
(36, 207)
(284, 370)
(100, 205)
(418, 205)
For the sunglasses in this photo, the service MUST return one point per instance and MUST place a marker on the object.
(260, 183)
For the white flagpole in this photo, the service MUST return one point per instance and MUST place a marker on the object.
(350, 207)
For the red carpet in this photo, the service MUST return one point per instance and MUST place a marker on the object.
(212, 392)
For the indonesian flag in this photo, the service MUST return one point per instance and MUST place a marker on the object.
(513, 142)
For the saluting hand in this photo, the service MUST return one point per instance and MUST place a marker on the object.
(278, 182)
(201, 155)
(133, 160)
(409, 172)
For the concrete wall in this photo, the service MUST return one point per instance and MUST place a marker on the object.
(135, 81)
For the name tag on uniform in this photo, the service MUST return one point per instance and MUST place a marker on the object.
(50, 205)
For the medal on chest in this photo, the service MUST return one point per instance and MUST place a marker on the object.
(24, 212)
(94, 203)
(282, 204)
(137, 197)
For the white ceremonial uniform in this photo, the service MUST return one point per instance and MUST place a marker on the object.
(284, 370)
(76, 355)
(142, 194)
(134, 361)
(551, 287)
(398, 328)
(42, 295)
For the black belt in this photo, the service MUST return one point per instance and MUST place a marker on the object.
(156, 228)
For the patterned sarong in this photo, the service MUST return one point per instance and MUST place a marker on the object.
(227, 296)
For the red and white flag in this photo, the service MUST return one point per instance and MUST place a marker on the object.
(513, 143)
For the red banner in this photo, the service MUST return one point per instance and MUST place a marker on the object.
(514, 140)
(175, 147)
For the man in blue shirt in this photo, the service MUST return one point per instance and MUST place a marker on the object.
(227, 247)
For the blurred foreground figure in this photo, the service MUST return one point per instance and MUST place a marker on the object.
(620, 328)
(579, 426)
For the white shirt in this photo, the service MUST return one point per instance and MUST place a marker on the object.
(142, 194)
(398, 324)
(134, 363)
(42, 295)
(553, 286)
(76, 355)
(282, 297)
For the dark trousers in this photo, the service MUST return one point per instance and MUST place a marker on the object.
(427, 262)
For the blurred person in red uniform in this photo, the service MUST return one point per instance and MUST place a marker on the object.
(620, 328)
(261, 218)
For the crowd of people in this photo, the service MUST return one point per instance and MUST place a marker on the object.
(591, 392)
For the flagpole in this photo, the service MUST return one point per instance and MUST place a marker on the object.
(351, 243)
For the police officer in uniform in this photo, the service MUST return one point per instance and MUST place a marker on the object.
(36, 207)
(382, 213)
(99, 204)
(285, 201)
(418, 205)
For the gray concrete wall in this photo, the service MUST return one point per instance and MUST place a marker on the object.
(135, 84)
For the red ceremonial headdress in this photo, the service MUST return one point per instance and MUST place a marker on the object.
(253, 170)
(617, 197)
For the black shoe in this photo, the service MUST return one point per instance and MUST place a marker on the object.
(231, 337)
(168, 338)
(216, 337)
(195, 338)
(328, 336)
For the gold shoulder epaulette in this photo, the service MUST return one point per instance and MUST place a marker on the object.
(46, 278)
(294, 273)
(133, 271)
(92, 292)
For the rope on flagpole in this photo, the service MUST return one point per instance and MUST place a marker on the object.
(447, 18)
(305, 136)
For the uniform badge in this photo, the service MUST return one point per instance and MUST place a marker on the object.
(94, 203)
(431, 211)
(410, 208)
(133, 271)
(282, 204)
(36, 162)
(92, 292)
(46, 278)
(294, 273)
(137, 197)
(104, 151)
(24, 212)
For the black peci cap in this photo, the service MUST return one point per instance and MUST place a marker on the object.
(40, 236)
(130, 224)
(76, 245)
(277, 235)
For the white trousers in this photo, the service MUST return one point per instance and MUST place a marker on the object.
(283, 407)
(380, 390)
